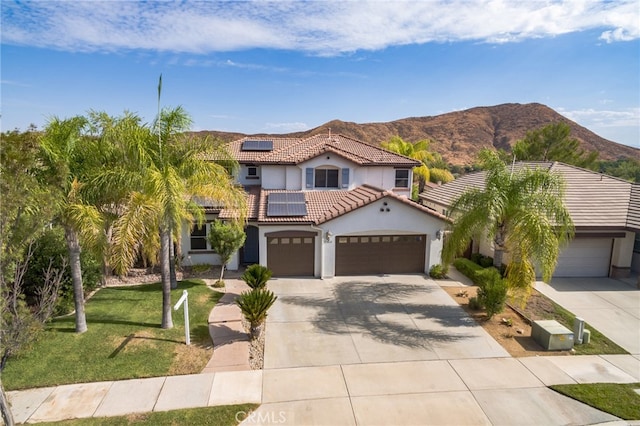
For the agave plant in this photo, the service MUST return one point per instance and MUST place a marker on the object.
(254, 305)
(256, 276)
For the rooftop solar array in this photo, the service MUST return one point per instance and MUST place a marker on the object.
(257, 145)
(286, 204)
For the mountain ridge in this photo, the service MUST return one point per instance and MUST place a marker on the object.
(459, 135)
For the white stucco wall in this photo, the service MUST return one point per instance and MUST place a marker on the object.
(293, 176)
(273, 177)
(622, 253)
(242, 176)
(369, 220)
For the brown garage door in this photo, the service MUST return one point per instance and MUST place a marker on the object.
(380, 254)
(291, 253)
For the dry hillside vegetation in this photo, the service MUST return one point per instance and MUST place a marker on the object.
(458, 136)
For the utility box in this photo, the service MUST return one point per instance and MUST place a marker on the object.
(552, 335)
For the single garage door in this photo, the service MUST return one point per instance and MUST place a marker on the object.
(291, 253)
(585, 257)
(380, 254)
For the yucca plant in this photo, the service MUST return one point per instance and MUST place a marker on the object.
(256, 276)
(254, 305)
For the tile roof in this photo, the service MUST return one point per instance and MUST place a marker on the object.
(595, 200)
(633, 220)
(323, 206)
(295, 151)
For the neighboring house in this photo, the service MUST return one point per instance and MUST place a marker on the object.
(326, 205)
(605, 211)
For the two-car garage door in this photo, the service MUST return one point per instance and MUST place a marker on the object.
(380, 254)
(292, 253)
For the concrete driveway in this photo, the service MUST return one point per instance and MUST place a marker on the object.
(352, 320)
(398, 350)
(611, 306)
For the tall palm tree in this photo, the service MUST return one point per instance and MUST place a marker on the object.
(418, 151)
(522, 211)
(166, 174)
(66, 147)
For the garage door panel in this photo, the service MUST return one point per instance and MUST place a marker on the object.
(380, 254)
(291, 256)
(585, 257)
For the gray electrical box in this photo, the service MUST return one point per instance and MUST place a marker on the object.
(552, 335)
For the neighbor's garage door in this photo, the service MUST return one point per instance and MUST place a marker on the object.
(290, 254)
(380, 254)
(585, 257)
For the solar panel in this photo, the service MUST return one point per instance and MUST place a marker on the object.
(286, 204)
(257, 145)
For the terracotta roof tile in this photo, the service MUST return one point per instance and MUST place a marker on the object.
(323, 206)
(295, 151)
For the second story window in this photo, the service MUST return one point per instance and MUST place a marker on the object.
(402, 178)
(252, 172)
(326, 178)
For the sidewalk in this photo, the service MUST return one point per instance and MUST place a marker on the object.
(475, 389)
(490, 390)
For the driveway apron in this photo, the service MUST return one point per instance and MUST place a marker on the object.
(398, 350)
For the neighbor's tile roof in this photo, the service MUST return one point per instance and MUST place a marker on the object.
(323, 206)
(633, 220)
(594, 200)
(295, 151)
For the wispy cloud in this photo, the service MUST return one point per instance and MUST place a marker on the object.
(321, 28)
(286, 127)
(594, 118)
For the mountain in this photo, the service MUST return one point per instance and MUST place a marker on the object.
(459, 135)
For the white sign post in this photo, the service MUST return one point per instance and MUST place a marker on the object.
(184, 299)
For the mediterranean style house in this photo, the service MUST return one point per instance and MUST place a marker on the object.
(323, 206)
(605, 211)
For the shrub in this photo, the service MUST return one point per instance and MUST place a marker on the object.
(486, 261)
(476, 258)
(52, 247)
(492, 294)
(438, 271)
(254, 305)
(485, 275)
(256, 276)
(466, 267)
(474, 304)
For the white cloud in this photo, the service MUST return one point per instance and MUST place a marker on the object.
(322, 28)
(286, 127)
(592, 118)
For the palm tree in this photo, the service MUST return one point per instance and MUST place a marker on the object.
(522, 211)
(165, 174)
(65, 148)
(417, 151)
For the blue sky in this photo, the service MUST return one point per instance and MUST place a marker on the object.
(279, 67)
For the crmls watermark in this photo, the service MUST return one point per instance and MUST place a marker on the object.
(262, 417)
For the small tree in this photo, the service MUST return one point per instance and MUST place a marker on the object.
(226, 239)
(256, 276)
(492, 291)
(254, 305)
(20, 323)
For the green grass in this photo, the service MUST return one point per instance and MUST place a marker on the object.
(215, 416)
(619, 400)
(124, 339)
(598, 344)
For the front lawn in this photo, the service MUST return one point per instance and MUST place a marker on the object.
(621, 400)
(214, 416)
(124, 340)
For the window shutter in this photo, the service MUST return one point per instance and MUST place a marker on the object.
(345, 178)
(309, 173)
